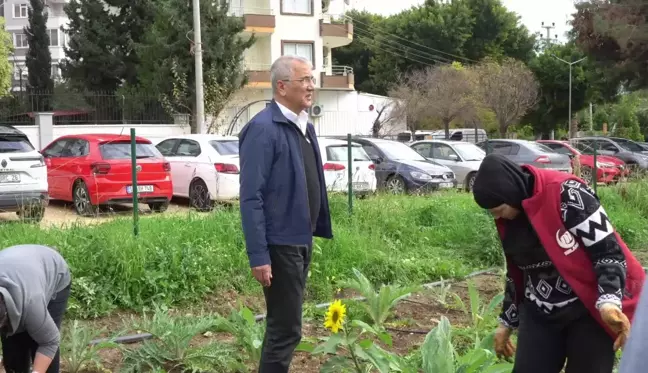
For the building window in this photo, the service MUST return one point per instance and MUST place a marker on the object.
(20, 11)
(54, 37)
(297, 7)
(2, 2)
(304, 50)
(20, 41)
(20, 70)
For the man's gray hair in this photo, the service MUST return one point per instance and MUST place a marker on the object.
(282, 69)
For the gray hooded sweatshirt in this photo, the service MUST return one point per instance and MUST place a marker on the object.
(30, 277)
(634, 358)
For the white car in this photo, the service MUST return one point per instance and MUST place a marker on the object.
(204, 168)
(335, 155)
(463, 158)
(23, 176)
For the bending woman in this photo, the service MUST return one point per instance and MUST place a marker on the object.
(34, 290)
(572, 285)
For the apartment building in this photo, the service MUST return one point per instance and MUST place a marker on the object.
(15, 14)
(303, 28)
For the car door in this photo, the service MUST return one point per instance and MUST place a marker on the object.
(447, 156)
(167, 149)
(606, 147)
(187, 154)
(53, 155)
(424, 149)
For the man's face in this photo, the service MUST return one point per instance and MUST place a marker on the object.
(504, 211)
(298, 90)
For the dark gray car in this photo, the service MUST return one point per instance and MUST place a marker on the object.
(628, 151)
(525, 152)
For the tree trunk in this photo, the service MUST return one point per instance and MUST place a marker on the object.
(502, 130)
(446, 127)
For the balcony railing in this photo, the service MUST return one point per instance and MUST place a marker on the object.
(340, 70)
(241, 11)
(337, 76)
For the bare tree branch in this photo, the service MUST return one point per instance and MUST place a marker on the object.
(510, 90)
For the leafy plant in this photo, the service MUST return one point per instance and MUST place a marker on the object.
(439, 355)
(78, 354)
(171, 347)
(482, 315)
(379, 303)
(248, 333)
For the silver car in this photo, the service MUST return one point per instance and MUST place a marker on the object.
(463, 158)
(531, 153)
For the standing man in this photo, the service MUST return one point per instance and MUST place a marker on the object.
(283, 204)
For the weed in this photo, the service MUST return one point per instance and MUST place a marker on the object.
(248, 333)
(76, 352)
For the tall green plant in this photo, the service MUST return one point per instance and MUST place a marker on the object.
(77, 353)
(6, 69)
(379, 302)
(248, 332)
(39, 57)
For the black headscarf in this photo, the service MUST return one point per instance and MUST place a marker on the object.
(500, 181)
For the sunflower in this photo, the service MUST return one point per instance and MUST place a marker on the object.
(335, 316)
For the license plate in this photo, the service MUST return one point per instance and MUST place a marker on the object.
(445, 185)
(360, 186)
(140, 189)
(9, 178)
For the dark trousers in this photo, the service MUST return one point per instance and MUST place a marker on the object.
(284, 300)
(19, 350)
(544, 347)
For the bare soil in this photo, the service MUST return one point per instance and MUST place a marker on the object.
(413, 319)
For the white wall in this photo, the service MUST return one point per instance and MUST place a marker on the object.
(343, 111)
(153, 132)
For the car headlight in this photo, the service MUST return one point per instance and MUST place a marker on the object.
(604, 165)
(420, 175)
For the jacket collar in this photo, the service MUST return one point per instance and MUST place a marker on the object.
(278, 117)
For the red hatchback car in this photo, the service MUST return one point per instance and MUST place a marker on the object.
(610, 169)
(95, 169)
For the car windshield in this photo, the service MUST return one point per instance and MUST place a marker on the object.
(399, 152)
(470, 152)
(629, 145)
(225, 147)
(15, 144)
(122, 150)
(340, 153)
(540, 147)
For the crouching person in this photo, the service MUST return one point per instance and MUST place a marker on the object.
(34, 290)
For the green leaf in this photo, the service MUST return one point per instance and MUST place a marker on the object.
(499, 368)
(336, 364)
(330, 346)
(386, 338)
(474, 361)
(437, 350)
(305, 347)
(247, 314)
(378, 357)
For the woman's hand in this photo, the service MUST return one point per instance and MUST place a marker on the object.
(504, 348)
(616, 320)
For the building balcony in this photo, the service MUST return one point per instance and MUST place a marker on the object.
(337, 77)
(258, 75)
(335, 33)
(257, 14)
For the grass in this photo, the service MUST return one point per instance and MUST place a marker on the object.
(390, 239)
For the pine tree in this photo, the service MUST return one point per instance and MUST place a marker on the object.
(39, 58)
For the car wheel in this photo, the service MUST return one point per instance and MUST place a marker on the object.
(81, 199)
(470, 181)
(199, 197)
(159, 206)
(586, 174)
(395, 185)
(32, 213)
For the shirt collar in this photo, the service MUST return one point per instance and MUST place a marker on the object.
(300, 120)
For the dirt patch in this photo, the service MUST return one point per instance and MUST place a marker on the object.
(413, 319)
(61, 214)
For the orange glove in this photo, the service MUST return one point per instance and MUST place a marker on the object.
(504, 348)
(614, 318)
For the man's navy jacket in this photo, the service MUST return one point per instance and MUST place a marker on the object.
(273, 194)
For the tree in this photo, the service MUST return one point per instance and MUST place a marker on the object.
(615, 34)
(39, 58)
(167, 62)
(443, 93)
(509, 89)
(6, 49)
(385, 117)
(101, 55)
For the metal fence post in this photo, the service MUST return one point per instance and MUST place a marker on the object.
(350, 173)
(134, 186)
(595, 172)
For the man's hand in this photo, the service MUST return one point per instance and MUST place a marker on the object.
(504, 348)
(614, 318)
(263, 274)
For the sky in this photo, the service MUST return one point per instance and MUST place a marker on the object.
(532, 12)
